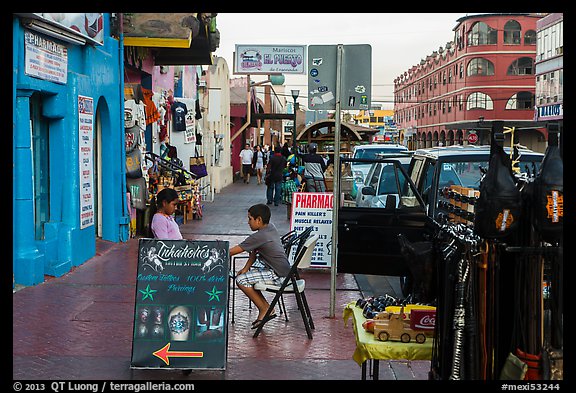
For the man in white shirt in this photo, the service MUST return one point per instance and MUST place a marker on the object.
(246, 156)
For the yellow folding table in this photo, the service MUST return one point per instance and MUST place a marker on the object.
(370, 348)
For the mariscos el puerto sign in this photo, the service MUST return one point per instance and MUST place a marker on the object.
(270, 59)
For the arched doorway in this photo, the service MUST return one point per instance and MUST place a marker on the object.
(97, 177)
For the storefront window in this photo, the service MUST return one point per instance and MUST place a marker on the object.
(41, 165)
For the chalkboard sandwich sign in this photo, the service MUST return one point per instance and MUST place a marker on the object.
(181, 307)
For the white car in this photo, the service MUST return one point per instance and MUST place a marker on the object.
(370, 152)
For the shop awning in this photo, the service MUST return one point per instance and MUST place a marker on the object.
(158, 29)
(174, 38)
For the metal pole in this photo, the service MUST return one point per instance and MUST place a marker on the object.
(336, 204)
(294, 129)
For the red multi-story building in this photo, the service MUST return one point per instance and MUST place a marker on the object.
(486, 73)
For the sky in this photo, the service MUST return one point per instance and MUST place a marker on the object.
(398, 40)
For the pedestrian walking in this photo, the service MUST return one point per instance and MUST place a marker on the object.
(314, 168)
(246, 156)
(275, 168)
(286, 150)
(258, 162)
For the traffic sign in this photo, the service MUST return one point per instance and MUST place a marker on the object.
(472, 137)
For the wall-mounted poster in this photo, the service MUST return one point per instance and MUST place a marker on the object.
(181, 306)
(86, 164)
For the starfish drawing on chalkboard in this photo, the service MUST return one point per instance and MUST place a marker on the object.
(148, 293)
(214, 294)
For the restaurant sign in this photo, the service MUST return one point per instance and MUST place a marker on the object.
(270, 59)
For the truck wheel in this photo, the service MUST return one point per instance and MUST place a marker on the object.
(405, 338)
(383, 336)
(420, 338)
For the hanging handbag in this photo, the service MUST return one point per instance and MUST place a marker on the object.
(134, 164)
(198, 166)
(549, 193)
(499, 206)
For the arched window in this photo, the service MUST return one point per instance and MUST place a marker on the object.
(480, 66)
(521, 66)
(521, 100)
(512, 31)
(479, 100)
(530, 37)
(482, 34)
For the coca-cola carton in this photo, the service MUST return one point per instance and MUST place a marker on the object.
(422, 319)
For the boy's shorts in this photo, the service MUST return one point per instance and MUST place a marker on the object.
(259, 273)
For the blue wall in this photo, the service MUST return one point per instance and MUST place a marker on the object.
(96, 72)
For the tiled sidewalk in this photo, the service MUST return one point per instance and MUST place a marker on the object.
(79, 326)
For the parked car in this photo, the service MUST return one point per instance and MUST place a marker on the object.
(368, 152)
(433, 170)
(380, 181)
(368, 229)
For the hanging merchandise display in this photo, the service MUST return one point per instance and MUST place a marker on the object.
(500, 288)
(198, 116)
(549, 193)
(198, 134)
(179, 111)
(131, 138)
(134, 164)
(137, 112)
(150, 109)
(499, 204)
(138, 192)
(169, 173)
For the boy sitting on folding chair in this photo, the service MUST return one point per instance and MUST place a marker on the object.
(267, 260)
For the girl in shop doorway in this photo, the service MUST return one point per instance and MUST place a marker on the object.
(163, 225)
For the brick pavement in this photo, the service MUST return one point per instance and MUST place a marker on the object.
(79, 326)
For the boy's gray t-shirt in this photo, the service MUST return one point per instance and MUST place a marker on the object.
(267, 242)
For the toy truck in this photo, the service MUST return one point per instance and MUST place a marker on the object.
(399, 327)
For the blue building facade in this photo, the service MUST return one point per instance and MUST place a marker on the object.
(69, 180)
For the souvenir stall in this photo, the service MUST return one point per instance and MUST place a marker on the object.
(169, 173)
(148, 172)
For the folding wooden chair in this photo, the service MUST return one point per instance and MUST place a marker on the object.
(292, 284)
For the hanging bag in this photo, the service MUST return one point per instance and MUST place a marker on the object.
(198, 165)
(499, 205)
(549, 193)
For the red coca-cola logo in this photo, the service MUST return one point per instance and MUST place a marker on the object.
(423, 320)
(427, 320)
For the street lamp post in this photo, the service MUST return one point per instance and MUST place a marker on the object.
(295, 94)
